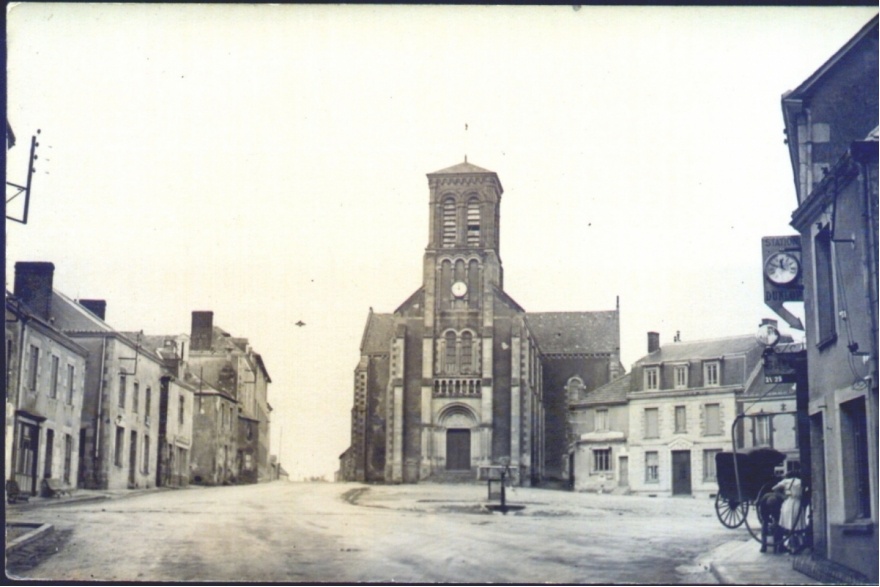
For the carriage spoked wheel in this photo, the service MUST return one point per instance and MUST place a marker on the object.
(732, 513)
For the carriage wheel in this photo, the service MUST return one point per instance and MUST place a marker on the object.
(731, 513)
(753, 522)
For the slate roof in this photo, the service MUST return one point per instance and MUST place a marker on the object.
(377, 333)
(575, 332)
(464, 167)
(16, 306)
(712, 348)
(73, 318)
(610, 393)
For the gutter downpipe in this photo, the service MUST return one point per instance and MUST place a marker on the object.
(870, 258)
(99, 413)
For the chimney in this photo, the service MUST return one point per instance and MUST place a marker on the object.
(202, 333)
(653, 341)
(96, 307)
(33, 286)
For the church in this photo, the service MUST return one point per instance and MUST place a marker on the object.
(460, 379)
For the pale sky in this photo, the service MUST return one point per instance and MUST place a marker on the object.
(268, 163)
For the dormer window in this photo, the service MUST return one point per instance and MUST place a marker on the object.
(652, 378)
(681, 376)
(712, 373)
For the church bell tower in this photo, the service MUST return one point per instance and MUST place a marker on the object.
(462, 275)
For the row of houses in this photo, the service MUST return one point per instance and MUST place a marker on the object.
(89, 406)
(656, 430)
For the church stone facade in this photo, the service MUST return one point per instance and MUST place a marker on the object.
(460, 378)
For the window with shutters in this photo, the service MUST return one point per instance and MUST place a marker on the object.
(68, 455)
(135, 397)
(33, 366)
(652, 429)
(122, 391)
(449, 223)
(680, 419)
(53, 384)
(824, 298)
(71, 372)
(709, 471)
(600, 420)
(473, 223)
(713, 419)
(118, 449)
(146, 457)
(181, 406)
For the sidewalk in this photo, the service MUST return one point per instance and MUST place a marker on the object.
(742, 563)
(79, 496)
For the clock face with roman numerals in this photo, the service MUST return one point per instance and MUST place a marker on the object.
(459, 288)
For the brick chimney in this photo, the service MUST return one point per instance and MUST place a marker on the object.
(33, 286)
(96, 307)
(202, 332)
(653, 341)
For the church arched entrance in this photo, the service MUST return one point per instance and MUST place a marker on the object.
(458, 449)
(456, 437)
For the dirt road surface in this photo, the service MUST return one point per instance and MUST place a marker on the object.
(323, 532)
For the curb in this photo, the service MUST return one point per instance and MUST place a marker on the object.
(60, 502)
(21, 541)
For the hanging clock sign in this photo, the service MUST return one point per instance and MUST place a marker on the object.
(783, 275)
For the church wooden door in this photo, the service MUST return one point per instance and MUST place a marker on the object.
(458, 450)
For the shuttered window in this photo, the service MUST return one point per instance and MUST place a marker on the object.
(449, 223)
(473, 223)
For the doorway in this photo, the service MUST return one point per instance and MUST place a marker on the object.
(681, 472)
(26, 459)
(50, 445)
(132, 459)
(458, 450)
(623, 472)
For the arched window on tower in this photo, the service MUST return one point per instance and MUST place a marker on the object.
(467, 353)
(473, 223)
(575, 389)
(450, 352)
(449, 223)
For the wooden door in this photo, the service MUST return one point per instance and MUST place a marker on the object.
(458, 450)
(681, 472)
(623, 471)
(132, 459)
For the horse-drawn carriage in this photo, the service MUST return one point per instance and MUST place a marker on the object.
(743, 479)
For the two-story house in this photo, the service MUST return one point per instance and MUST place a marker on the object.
(682, 406)
(600, 426)
(176, 401)
(45, 379)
